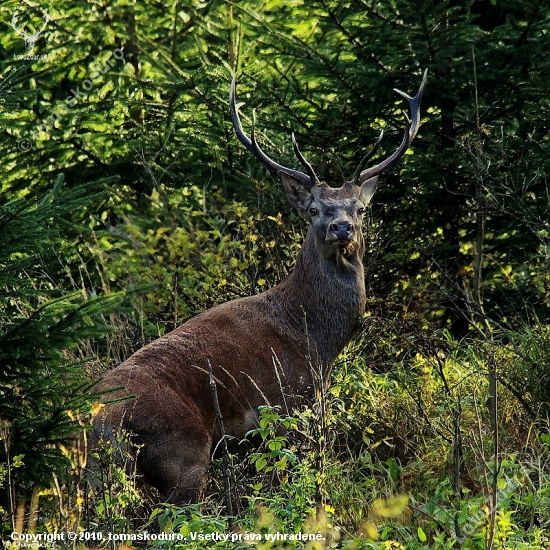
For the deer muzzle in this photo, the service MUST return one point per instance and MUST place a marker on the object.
(340, 233)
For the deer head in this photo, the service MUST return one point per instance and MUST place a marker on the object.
(30, 39)
(334, 213)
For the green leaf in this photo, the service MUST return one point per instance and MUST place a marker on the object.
(421, 535)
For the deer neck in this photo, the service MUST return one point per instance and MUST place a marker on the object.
(325, 297)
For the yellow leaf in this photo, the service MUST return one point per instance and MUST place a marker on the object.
(370, 530)
(391, 507)
(96, 408)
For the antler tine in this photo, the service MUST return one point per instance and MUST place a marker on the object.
(366, 159)
(254, 148)
(303, 160)
(411, 129)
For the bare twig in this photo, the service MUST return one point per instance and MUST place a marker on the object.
(225, 451)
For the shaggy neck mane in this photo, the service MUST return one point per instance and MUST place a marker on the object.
(328, 294)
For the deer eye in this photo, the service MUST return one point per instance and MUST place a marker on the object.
(313, 211)
(361, 211)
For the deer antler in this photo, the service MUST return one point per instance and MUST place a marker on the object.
(366, 159)
(309, 179)
(411, 129)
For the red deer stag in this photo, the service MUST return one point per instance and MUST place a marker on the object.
(259, 348)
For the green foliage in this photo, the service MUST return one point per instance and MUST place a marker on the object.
(430, 413)
(112, 492)
(322, 69)
(295, 479)
(270, 424)
(526, 357)
(42, 383)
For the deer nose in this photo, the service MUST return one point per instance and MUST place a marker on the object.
(341, 230)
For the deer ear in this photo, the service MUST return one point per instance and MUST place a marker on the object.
(367, 189)
(296, 193)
